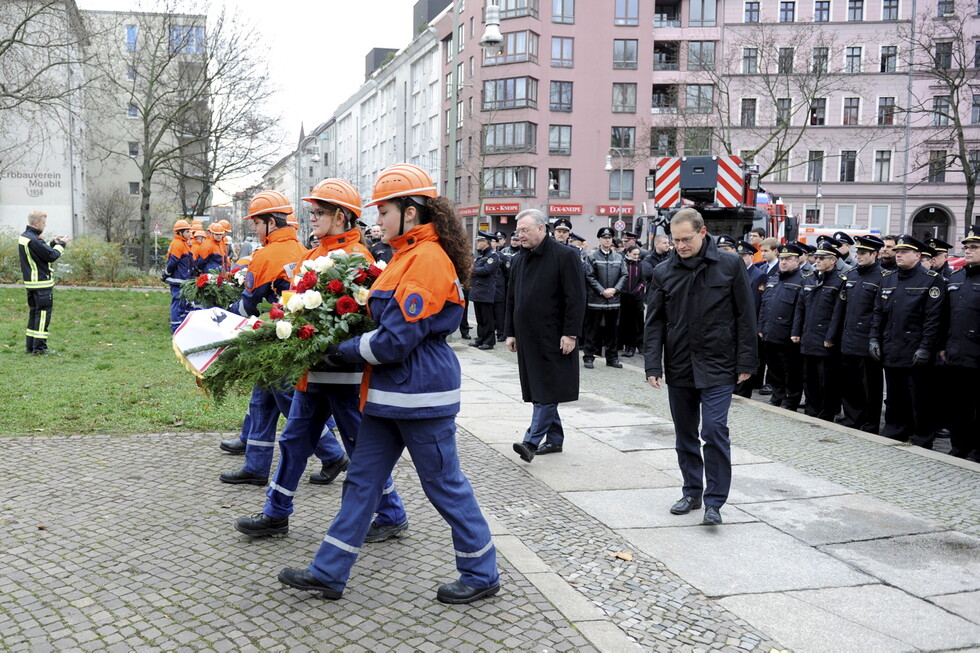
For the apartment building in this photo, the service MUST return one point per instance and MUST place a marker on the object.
(833, 99)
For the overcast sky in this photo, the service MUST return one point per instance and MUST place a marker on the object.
(316, 48)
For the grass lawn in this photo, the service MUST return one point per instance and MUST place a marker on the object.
(115, 370)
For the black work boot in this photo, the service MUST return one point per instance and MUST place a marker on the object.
(261, 525)
(330, 471)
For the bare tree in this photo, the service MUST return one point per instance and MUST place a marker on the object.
(41, 53)
(179, 82)
(943, 55)
(113, 212)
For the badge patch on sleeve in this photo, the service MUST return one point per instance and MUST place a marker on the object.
(249, 281)
(413, 305)
(934, 292)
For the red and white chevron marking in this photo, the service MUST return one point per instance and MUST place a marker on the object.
(667, 191)
(728, 192)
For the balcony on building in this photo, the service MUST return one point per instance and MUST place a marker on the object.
(664, 98)
(667, 14)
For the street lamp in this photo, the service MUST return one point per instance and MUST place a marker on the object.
(816, 205)
(620, 154)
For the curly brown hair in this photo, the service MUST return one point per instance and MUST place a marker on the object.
(453, 239)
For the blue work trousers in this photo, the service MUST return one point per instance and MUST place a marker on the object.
(264, 409)
(305, 435)
(545, 425)
(707, 408)
(432, 445)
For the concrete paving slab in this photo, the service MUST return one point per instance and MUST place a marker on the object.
(923, 565)
(512, 409)
(804, 628)
(589, 465)
(965, 604)
(592, 410)
(493, 429)
(482, 396)
(845, 518)
(774, 482)
(644, 508)
(522, 558)
(743, 558)
(902, 616)
(607, 636)
(636, 437)
(569, 601)
(666, 459)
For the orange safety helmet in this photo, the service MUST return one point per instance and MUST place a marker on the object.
(225, 224)
(216, 228)
(336, 191)
(268, 201)
(197, 226)
(401, 180)
(180, 225)
(199, 234)
(291, 221)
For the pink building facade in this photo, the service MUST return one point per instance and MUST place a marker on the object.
(834, 100)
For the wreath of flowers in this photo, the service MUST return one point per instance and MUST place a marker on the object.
(329, 305)
(207, 290)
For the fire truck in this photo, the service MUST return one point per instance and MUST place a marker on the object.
(724, 190)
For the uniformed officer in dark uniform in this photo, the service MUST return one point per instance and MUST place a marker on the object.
(562, 230)
(605, 277)
(940, 260)
(576, 241)
(905, 335)
(846, 243)
(757, 282)
(961, 351)
(840, 265)
(483, 289)
(726, 243)
(862, 384)
(812, 329)
(776, 323)
(500, 299)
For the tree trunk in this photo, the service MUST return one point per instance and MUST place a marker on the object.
(146, 225)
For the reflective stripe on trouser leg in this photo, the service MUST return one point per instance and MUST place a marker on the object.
(307, 415)
(345, 406)
(432, 444)
(264, 408)
(379, 444)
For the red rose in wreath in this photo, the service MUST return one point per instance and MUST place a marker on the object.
(276, 313)
(221, 279)
(202, 281)
(373, 271)
(306, 332)
(360, 277)
(335, 286)
(308, 281)
(346, 305)
(257, 324)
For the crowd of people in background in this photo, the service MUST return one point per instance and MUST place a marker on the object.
(840, 321)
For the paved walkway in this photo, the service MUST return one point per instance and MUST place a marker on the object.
(833, 541)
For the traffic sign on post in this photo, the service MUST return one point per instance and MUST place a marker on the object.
(620, 225)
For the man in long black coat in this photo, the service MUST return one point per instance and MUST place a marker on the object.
(700, 329)
(545, 310)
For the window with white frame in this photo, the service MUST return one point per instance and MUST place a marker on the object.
(750, 61)
(134, 148)
(845, 214)
(134, 188)
(747, 112)
(784, 111)
(821, 11)
(848, 165)
(132, 33)
(889, 58)
(852, 111)
(784, 62)
(781, 166)
(886, 111)
(751, 12)
(937, 167)
(940, 110)
(889, 10)
(883, 166)
(787, 12)
(821, 59)
(855, 10)
(814, 166)
(852, 59)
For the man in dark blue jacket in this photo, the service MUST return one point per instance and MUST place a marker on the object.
(775, 327)
(701, 330)
(483, 290)
(36, 257)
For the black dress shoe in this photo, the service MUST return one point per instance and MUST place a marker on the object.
(629, 353)
(485, 347)
(765, 390)
(235, 445)
(547, 448)
(614, 362)
(459, 592)
(381, 533)
(525, 450)
(261, 525)
(241, 477)
(302, 579)
(711, 516)
(473, 344)
(330, 471)
(465, 335)
(501, 339)
(589, 365)
(685, 505)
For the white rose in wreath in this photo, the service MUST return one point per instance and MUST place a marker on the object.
(312, 299)
(361, 296)
(295, 303)
(284, 329)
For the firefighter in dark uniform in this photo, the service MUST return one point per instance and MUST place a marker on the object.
(605, 276)
(36, 257)
(961, 351)
(812, 329)
(483, 290)
(562, 230)
(775, 328)
(940, 260)
(841, 265)
(905, 335)
(862, 385)
(757, 282)
(500, 299)
(726, 243)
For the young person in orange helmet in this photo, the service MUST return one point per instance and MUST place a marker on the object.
(324, 393)
(213, 254)
(179, 261)
(269, 273)
(411, 396)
